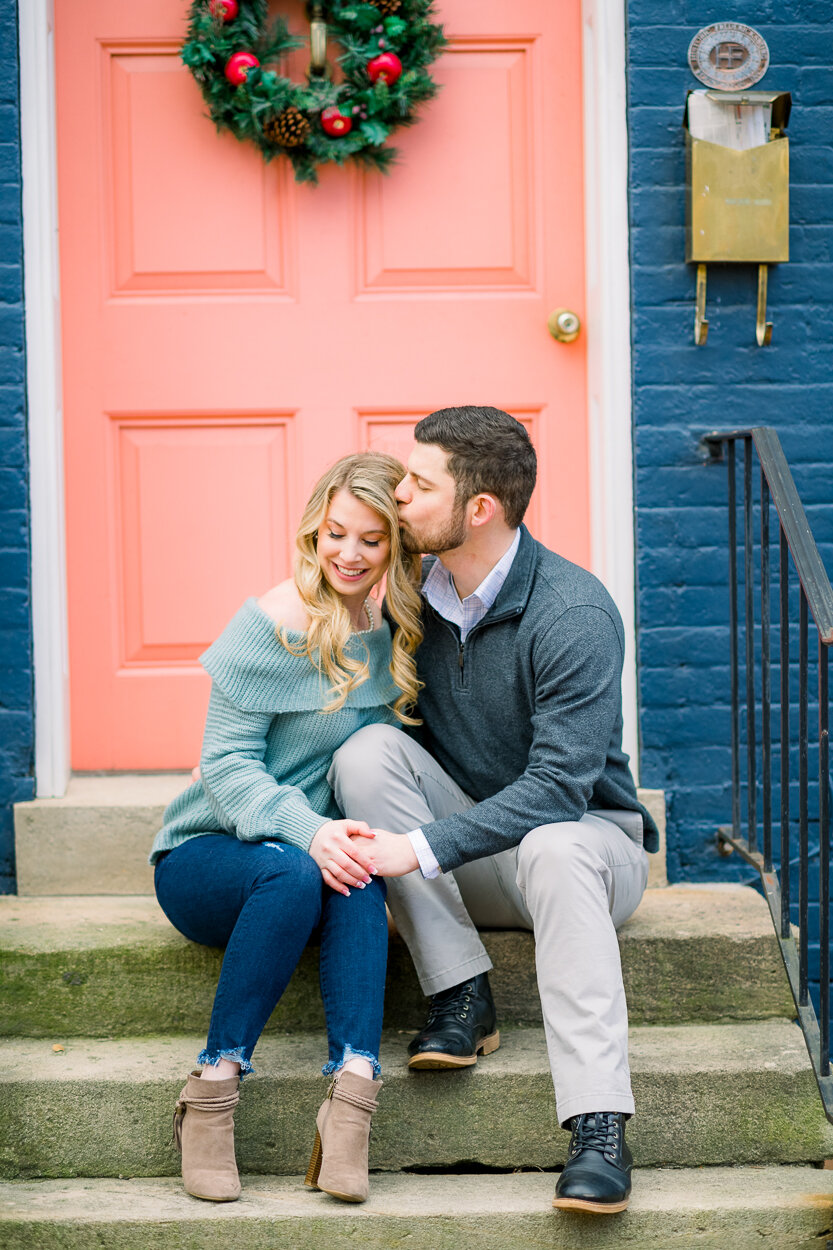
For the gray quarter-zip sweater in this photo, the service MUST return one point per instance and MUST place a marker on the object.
(526, 715)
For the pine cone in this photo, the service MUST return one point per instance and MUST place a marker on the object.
(388, 7)
(289, 129)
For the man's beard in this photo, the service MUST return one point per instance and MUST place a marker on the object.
(453, 534)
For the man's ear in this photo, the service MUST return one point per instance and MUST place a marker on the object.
(482, 509)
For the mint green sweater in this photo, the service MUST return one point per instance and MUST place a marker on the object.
(267, 746)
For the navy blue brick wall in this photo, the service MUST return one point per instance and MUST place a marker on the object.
(680, 391)
(16, 707)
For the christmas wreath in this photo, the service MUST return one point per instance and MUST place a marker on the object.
(385, 49)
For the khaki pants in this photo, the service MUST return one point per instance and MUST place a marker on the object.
(572, 884)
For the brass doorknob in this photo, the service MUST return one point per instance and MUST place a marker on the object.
(564, 325)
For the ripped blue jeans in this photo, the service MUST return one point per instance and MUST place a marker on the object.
(264, 901)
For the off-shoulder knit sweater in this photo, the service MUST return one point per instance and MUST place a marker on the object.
(268, 746)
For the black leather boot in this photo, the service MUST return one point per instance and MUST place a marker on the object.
(597, 1174)
(461, 1025)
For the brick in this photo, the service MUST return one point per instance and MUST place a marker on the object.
(11, 326)
(14, 570)
(16, 742)
(9, 161)
(12, 449)
(14, 609)
(810, 163)
(687, 606)
(8, 52)
(663, 82)
(680, 358)
(684, 687)
(658, 168)
(14, 528)
(13, 489)
(9, 123)
(10, 203)
(11, 282)
(669, 566)
(653, 126)
(815, 85)
(16, 789)
(12, 366)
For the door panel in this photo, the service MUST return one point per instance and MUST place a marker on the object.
(227, 334)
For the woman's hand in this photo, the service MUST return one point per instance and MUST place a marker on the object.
(338, 851)
(393, 854)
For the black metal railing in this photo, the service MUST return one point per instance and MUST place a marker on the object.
(815, 601)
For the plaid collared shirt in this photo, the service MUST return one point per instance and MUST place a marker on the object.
(440, 591)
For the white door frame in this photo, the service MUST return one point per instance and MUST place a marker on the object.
(607, 328)
(43, 386)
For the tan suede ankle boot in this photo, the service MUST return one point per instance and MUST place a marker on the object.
(339, 1155)
(204, 1133)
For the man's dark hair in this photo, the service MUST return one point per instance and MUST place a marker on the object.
(487, 451)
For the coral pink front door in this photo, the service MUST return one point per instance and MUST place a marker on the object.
(227, 334)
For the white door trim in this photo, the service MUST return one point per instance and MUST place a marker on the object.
(43, 388)
(607, 328)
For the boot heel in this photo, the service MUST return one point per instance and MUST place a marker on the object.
(491, 1043)
(314, 1168)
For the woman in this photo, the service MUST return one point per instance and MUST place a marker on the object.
(255, 855)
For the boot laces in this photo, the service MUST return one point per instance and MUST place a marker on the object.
(596, 1131)
(450, 1004)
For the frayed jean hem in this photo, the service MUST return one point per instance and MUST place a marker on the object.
(335, 1065)
(234, 1056)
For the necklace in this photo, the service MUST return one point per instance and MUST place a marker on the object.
(368, 613)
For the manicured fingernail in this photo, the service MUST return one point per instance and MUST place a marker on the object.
(373, 871)
(360, 884)
(346, 893)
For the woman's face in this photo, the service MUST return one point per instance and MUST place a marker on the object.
(353, 547)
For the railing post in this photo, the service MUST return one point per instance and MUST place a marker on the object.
(766, 680)
(784, 638)
(803, 797)
(824, 858)
(749, 596)
(733, 631)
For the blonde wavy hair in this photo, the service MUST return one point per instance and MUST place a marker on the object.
(370, 477)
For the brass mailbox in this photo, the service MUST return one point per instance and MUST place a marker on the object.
(737, 201)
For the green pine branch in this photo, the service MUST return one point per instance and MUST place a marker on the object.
(358, 27)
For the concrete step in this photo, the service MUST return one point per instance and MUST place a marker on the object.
(706, 1094)
(709, 1209)
(96, 839)
(111, 966)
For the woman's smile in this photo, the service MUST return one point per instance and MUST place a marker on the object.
(353, 548)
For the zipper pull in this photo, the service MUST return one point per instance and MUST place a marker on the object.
(460, 656)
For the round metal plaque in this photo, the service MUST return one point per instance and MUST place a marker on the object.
(728, 55)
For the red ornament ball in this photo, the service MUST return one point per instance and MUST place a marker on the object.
(238, 66)
(333, 122)
(225, 10)
(386, 67)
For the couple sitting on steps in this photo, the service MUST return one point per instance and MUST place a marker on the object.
(456, 749)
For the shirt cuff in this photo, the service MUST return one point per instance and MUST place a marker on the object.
(428, 865)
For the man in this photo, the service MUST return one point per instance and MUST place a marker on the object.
(518, 805)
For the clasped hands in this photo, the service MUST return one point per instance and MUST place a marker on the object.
(350, 854)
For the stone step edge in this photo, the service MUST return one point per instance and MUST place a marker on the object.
(741, 1207)
(95, 839)
(105, 1108)
(689, 952)
(773, 1046)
